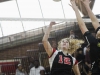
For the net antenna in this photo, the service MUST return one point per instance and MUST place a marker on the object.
(19, 14)
(20, 17)
(41, 10)
(63, 9)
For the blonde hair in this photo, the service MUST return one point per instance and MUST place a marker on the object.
(74, 44)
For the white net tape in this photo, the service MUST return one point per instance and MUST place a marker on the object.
(43, 19)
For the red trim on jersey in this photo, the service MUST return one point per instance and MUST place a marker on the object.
(76, 62)
(52, 52)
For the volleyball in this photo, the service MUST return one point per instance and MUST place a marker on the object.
(56, 0)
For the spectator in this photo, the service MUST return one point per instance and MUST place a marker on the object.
(31, 59)
(37, 69)
(72, 35)
(20, 70)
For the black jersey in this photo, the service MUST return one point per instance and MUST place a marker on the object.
(94, 51)
(61, 64)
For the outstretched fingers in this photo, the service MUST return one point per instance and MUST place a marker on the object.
(73, 4)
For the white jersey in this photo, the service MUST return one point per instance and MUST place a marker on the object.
(36, 71)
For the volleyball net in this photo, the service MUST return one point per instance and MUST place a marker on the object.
(45, 19)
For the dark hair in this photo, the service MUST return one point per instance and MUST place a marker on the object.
(80, 49)
(36, 60)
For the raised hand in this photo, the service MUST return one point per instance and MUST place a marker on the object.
(52, 23)
(86, 2)
(73, 4)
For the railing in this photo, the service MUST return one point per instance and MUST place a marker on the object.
(30, 35)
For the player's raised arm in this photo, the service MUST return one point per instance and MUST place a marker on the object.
(82, 8)
(93, 18)
(45, 41)
(81, 23)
